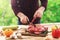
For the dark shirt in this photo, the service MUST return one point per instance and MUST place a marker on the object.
(28, 7)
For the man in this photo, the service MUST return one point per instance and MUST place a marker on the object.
(28, 9)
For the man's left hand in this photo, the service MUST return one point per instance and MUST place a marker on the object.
(39, 12)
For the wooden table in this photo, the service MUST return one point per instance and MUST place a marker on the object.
(49, 25)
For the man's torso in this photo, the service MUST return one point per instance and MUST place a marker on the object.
(28, 7)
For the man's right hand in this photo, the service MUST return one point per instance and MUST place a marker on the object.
(23, 18)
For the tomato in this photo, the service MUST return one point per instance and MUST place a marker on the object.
(30, 26)
(36, 29)
(37, 32)
(31, 30)
(41, 29)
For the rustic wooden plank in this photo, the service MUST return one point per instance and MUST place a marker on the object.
(49, 25)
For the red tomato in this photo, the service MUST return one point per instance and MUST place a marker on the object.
(37, 32)
(41, 29)
(36, 29)
(30, 26)
(31, 30)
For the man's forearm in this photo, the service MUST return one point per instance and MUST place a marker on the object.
(42, 8)
(44, 3)
(19, 14)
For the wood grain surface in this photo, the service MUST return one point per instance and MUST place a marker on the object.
(48, 37)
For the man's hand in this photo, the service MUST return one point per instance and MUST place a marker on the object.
(23, 18)
(39, 12)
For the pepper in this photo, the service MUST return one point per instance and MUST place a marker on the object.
(54, 27)
(55, 33)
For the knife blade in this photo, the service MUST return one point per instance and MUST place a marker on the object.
(32, 20)
(31, 23)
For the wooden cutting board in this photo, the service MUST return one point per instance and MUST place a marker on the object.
(37, 35)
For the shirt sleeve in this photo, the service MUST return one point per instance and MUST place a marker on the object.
(15, 10)
(44, 3)
(14, 7)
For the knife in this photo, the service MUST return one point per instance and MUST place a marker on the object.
(31, 23)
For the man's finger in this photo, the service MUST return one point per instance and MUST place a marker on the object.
(35, 15)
